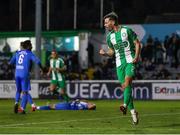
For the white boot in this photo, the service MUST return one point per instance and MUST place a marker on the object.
(135, 117)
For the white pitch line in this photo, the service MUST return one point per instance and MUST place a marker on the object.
(54, 122)
(82, 128)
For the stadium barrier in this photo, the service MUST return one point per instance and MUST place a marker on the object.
(8, 89)
(101, 89)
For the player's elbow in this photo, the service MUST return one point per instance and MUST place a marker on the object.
(137, 43)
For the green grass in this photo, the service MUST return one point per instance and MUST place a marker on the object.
(159, 117)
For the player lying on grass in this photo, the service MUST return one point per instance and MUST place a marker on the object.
(73, 105)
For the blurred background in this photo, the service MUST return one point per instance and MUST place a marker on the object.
(75, 29)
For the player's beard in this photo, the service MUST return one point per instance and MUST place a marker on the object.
(109, 29)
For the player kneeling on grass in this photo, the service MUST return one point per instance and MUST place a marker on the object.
(73, 105)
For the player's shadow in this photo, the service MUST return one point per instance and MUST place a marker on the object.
(165, 125)
(170, 125)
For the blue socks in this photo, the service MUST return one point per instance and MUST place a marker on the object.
(17, 97)
(24, 100)
(29, 99)
(43, 108)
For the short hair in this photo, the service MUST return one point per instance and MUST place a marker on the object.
(112, 16)
(28, 44)
(23, 46)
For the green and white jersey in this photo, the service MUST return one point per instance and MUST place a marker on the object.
(57, 63)
(122, 42)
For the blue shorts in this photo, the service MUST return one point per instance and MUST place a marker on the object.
(23, 84)
(62, 106)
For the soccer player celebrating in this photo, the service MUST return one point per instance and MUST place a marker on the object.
(22, 60)
(123, 42)
(57, 69)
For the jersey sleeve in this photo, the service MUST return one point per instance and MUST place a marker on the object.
(109, 41)
(13, 59)
(132, 34)
(35, 59)
(61, 63)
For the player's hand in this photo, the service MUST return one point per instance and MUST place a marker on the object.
(135, 60)
(101, 52)
(43, 70)
(48, 74)
(59, 70)
(54, 69)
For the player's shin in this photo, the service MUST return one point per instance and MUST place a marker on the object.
(127, 95)
(24, 100)
(17, 97)
(30, 99)
(134, 113)
(43, 108)
(31, 102)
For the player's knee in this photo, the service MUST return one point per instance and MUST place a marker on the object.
(50, 88)
(25, 93)
(62, 92)
(129, 79)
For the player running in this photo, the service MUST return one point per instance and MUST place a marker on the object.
(57, 69)
(123, 42)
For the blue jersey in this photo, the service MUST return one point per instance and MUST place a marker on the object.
(71, 106)
(78, 105)
(23, 61)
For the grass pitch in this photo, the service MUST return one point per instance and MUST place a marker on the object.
(160, 117)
